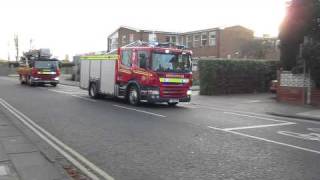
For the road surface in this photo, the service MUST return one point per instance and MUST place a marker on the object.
(189, 142)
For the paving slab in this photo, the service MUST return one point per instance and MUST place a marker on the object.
(3, 155)
(7, 172)
(313, 114)
(18, 144)
(33, 166)
(8, 131)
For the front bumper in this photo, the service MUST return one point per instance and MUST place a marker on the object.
(153, 99)
(153, 95)
(44, 81)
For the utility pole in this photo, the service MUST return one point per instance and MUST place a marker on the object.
(8, 50)
(16, 43)
(31, 41)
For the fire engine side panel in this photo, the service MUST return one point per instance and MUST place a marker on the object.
(107, 83)
(84, 74)
(95, 69)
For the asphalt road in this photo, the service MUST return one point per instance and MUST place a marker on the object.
(157, 142)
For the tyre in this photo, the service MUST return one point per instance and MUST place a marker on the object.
(21, 80)
(172, 104)
(53, 84)
(29, 81)
(134, 96)
(93, 91)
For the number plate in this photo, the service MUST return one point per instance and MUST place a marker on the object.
(173, 100)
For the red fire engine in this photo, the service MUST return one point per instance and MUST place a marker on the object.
(36, 67)
(140, 72)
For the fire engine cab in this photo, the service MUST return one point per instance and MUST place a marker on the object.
(140, 72)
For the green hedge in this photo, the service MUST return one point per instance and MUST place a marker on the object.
(235, 76)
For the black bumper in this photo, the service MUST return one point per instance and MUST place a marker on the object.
(155, 99)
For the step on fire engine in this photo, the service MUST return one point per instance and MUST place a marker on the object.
(140, 72)
(37, 67)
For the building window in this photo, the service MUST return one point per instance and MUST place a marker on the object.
(152, 37)
(124, 40)
(189, 41)
(131, 38)
(204, 39)
(167, 38)
(196, 40)
(114, 41)
(182, 40)
(212, 38)
(173, 39)
(126, 58)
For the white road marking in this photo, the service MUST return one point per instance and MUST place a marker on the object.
(74, 157)
(142, 111)
(84, 98)
(314, 129)
(259, 126)
(267, 140)
(73, 95)
(257, 117)
(309, 136)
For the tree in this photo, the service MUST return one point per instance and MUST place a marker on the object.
(293, 29)
(302, 26)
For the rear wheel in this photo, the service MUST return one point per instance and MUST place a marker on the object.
(134, 98)
(93, 91)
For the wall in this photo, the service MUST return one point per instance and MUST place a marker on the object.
(5, 70)
(315, 97)
(292, 88)
(232, 39)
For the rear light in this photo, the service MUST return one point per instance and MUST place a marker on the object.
(58, 72)
(34, 71)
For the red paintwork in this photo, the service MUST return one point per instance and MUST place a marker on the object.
(148, 77)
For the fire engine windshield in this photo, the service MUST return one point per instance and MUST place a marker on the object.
(163, 62)
(46, 65)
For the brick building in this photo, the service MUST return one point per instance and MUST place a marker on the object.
(215, 42)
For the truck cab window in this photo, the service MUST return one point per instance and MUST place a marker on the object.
(143, 57)
(126, 58)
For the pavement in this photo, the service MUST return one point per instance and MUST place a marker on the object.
(20, 158)
(213, 137)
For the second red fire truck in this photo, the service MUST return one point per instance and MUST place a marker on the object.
(140, 72)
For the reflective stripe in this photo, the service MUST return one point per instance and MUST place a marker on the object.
(174, 80)
(100, 57)
(46, 72)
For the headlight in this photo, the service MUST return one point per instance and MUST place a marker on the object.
(189, 92)
(56, 78)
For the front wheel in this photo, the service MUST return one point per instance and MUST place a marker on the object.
(21, 80)
(54, 84)
(172, 103)
(134, 98)
(93, 91)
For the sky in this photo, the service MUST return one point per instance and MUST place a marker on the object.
(78, 26)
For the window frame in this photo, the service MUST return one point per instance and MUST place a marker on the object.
(213, 39)
(204, 39)
(196, 41)
(130, 58)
